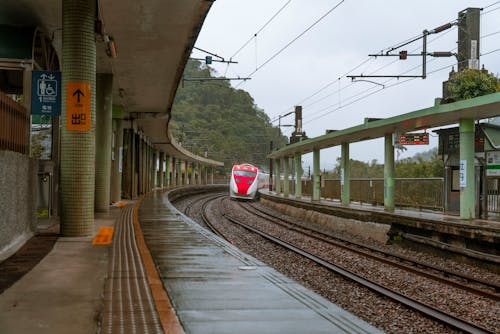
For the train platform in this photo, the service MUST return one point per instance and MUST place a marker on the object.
(162, 273)
(476, 238)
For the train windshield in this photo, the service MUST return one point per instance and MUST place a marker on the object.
(244, 173)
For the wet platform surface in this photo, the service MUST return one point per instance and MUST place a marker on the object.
(216, 288)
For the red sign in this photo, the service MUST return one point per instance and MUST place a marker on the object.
(414, 139)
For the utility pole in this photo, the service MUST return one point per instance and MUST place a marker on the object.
(468, 38)
(271, 167)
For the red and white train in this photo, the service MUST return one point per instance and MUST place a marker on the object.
(246, 180)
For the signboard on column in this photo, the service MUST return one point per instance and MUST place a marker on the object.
(46, 93)
(463, 173)
(78, 106)
(493, 163)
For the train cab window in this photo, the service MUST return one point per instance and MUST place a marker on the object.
(244, 173)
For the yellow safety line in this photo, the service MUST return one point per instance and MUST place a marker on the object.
(104, 236)
(166, 312)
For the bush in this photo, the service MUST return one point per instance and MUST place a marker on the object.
(469, 83)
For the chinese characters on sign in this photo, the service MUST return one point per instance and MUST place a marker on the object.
(463, 173)
(414, 139)
(46, 93)
(78, 106)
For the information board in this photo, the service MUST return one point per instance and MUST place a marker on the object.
(46, 93)
(493, 163)
(78, 106)
(414, 139)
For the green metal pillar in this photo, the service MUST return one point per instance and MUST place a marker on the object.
(467, 172)
(389, 182)
(212, 171)
(277, 176)
(117, 161)
(298, 175)
(316, 188)
(78, 147)
(345, 175)
(104, 118)
(286, 182)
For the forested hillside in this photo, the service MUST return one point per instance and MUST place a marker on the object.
(212, 119)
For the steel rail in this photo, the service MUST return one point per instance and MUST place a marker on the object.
(401, 261)
(427, 310)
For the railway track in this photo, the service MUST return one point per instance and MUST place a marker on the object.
(478, 286)
(429, 311)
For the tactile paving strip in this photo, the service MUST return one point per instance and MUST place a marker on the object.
(128, 303)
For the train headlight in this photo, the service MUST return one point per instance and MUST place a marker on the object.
(249, 181)
(237, 180)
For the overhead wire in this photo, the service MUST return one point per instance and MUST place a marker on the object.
(353, 69)
(292, 41)
(261, 28)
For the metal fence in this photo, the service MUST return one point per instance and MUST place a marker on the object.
(493, 196)
(14, 126)
(421, 193)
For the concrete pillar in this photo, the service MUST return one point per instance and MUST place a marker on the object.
(212, 171)
(277, 176)
(179, 173)
(286, 183)
(166, 178)
(205, 175)
(298, 175)
(389, 182)
(193, 174)
(78, 146)
(160, 169)
(117, 161)
(174, 172)
(345, 175)
(135, 164)
(127, 163)
(467, 172)
(316, 191)
(199, 167)
(104, 118)
(154, 163)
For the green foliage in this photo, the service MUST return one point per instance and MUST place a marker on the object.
(469, 83)
(212, 119)
(426, 164)
(421, 165)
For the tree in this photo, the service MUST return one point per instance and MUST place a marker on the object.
(470, 83)
(224, 122)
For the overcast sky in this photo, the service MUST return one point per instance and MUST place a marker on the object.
(331, 48)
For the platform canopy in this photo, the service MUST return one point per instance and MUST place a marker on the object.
(153, 42)
(482, 107)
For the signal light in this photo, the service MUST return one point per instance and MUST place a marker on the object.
(403, 55)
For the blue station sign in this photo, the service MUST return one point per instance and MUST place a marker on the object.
(46, 93)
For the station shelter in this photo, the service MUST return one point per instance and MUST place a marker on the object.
(486, 168)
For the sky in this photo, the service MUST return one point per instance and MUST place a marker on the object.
(292, 60)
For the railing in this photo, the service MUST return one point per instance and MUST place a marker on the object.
(421, 193)
(493, 196)
(14, 126)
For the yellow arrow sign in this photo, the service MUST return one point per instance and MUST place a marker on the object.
(78, 116)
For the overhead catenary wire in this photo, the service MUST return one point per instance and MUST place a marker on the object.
(261, 28)
(353, 69)
(293, 40)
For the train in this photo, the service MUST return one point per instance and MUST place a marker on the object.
(246, 180)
